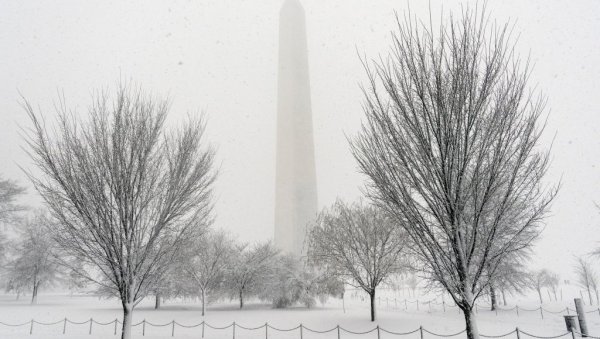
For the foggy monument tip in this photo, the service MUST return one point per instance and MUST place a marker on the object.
(292, 5)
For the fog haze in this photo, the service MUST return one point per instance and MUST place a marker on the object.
(220, 57)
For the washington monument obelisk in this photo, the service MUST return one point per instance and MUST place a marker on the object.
(296, 183)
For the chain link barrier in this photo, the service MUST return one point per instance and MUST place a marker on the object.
(430, 307)
(266, 326)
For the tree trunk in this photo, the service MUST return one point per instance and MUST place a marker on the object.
(590, 295)
(372, 296)
(157, 301)
(203, 302)
(127, 321)
(494, 302)
(539, 290)
(467, 307)
(241, 298)
(504, 297)
(34, 294)
(471, 323)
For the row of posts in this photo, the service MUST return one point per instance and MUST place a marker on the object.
(91, 321)
(578, 300)
(571, 321)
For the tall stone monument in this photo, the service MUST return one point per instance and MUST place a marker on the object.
(296, 183)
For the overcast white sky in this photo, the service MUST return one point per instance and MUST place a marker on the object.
(220, 56)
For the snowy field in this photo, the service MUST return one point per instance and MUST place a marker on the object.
(54, 308)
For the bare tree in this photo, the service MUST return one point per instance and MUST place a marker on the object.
(359, 242)
(173, 281)
(293, 280)
(207, 263)
(73, 279)
(553, 283)
(511, 277)
(412, 283)
(33, 264)
(594, 286)
(586, 276)
(539, 280)
(450, 145)
(247, 269)
(9, 192)
(124, 190)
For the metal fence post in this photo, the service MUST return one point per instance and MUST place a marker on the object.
(581, 316)
(31, 327)
(234, 330)
(338, 331)
(266, 330)
(173, 328)
(91, 321)
(378, 334)
(65, 326)
(421, 331)
(542, 312)
(518, 334)
(116, 322)
(301, 331)
(571, 323)
(203, 329)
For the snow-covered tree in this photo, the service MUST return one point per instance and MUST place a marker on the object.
(412, 283)
(292, 280)
(510, 274)
(73, 279)
(33, 262)
(9, 209)
(174, 280)
(9, 192)
(586, 276)
(539, 280)
(248, 268)
(553, 283)
(359, 243)
(166, 286)
(450, 144)
(207, 262)
(511, 277)
(125, 190)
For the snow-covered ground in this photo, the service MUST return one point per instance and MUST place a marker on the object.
(54, 308)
